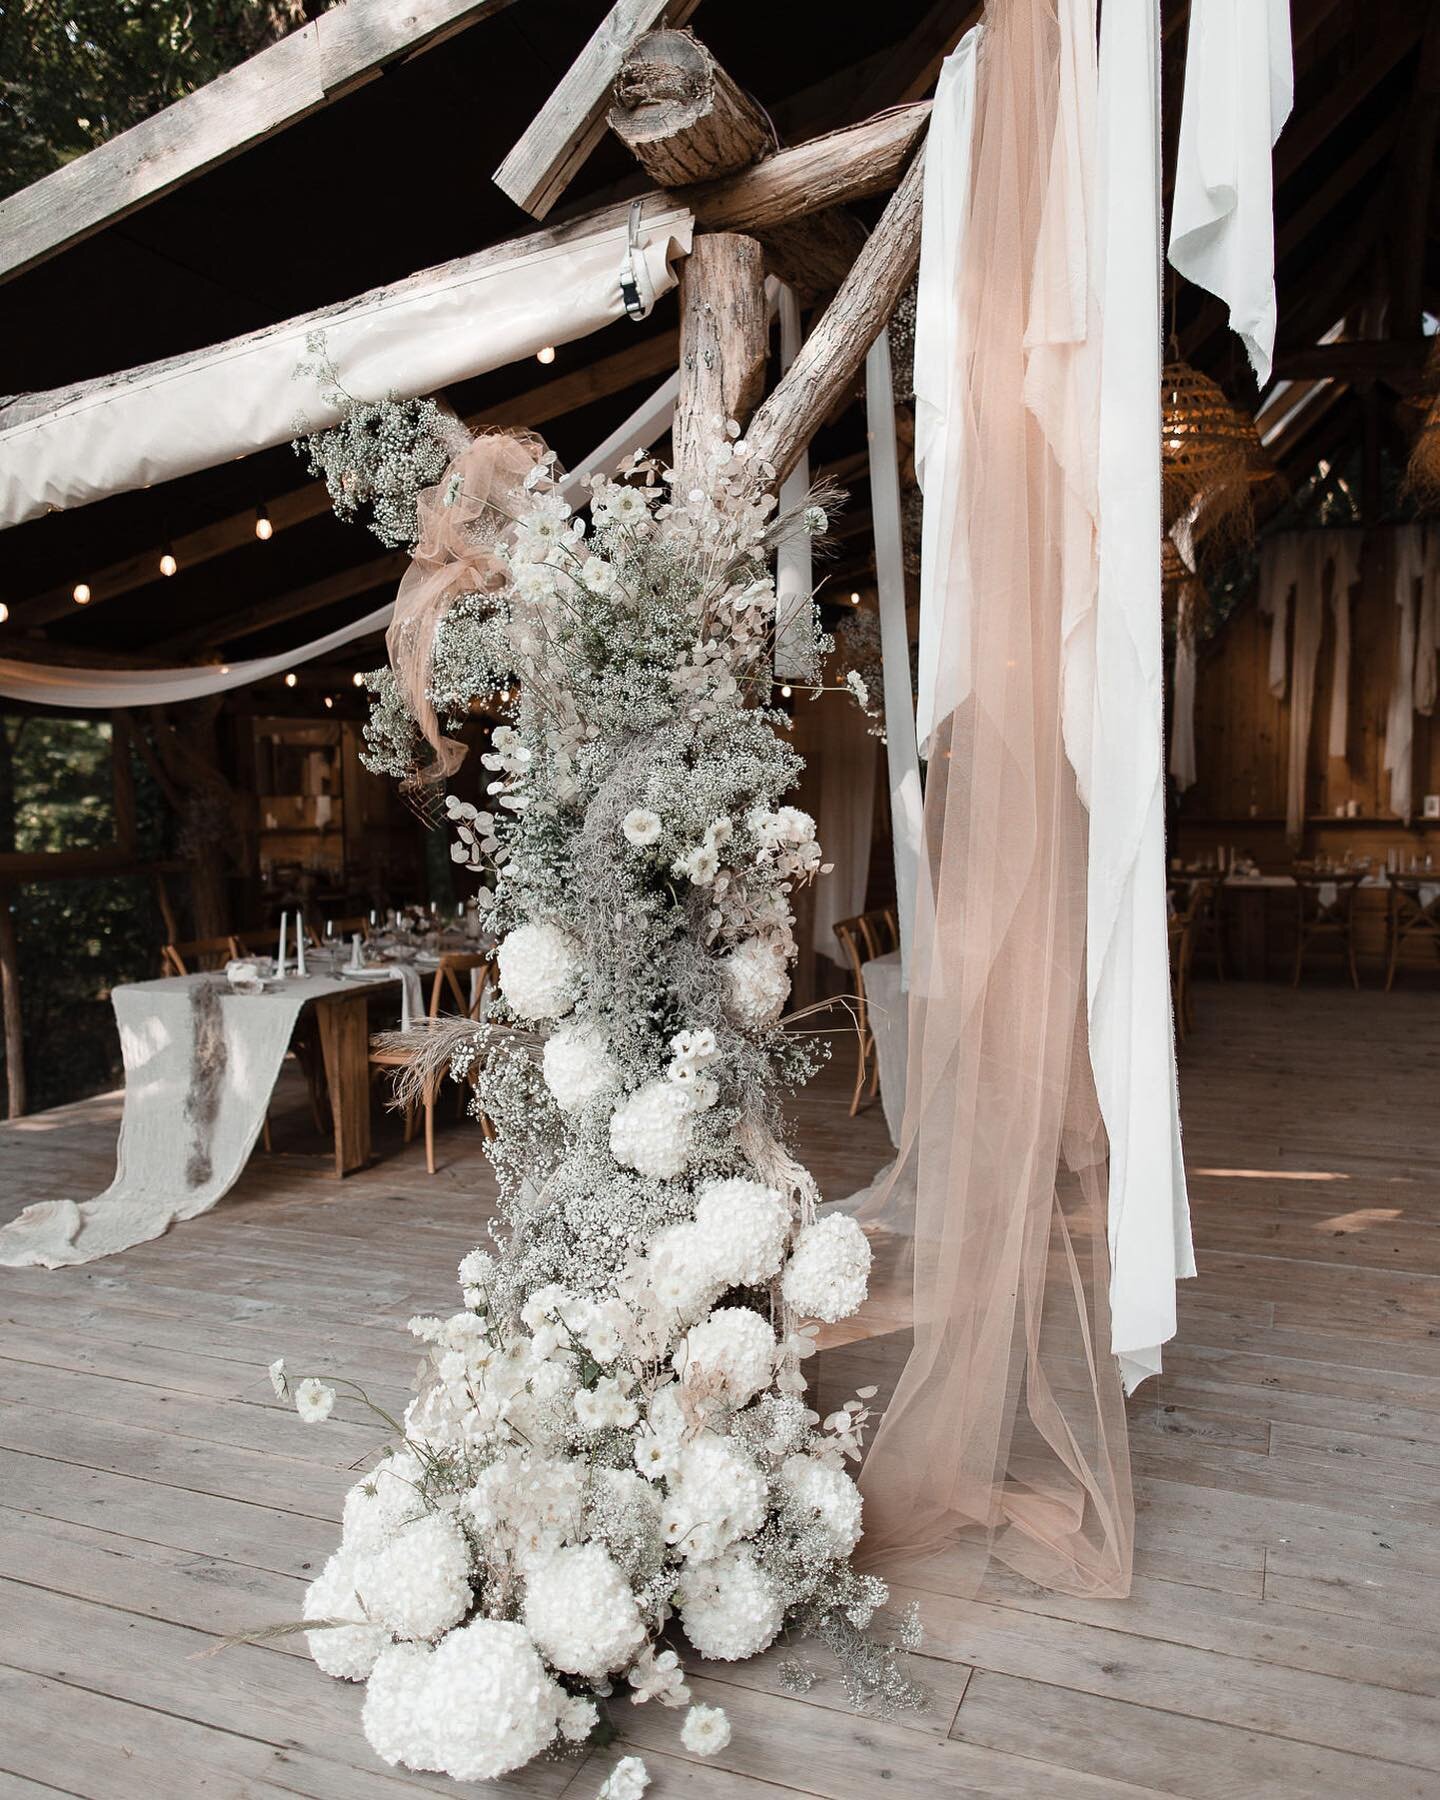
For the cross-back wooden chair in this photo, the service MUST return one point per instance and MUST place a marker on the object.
(468, 997)
(196, 954)
(1190, 908)
(1408, 914)
(863, 938)
(1325, 908)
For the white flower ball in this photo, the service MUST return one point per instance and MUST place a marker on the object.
(745, 1226)
(419, 1584)
(828, 1493)
(581, 1612)
(488, 1705)
(681, 1272)
(539, 971)
(759, 982)
(828, 1274)
(734, 1343)
(651, 1131)
(378, 1506)
(706, 1730)
(578, 1067)
(346, 1651)
(396, 1720)
(728, 1608)
(716, 1497)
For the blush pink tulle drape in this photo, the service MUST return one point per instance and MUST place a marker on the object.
(1006, 1436)
(461, 521)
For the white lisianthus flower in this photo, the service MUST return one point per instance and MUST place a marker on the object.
(758, 981)
(700, 866)
(419, 1584)
(279, 1380)
(539, 971)
(580, 1611)
(828, 1274)
(628, 1780)
(314, 1401)
(627, 506)
(347, 1650)
(641, 826)
(706, 1730)
(728, 1608)
(597, 574)
(578, 1067)
(654, 1456)
(719, 832)
(735, 1344)
(657, 1676)
(651, 1131)
(606, 1406)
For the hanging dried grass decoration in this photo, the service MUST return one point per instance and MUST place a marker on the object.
(1422, 476)
(1210, 454)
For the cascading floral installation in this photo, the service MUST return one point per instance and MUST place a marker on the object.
(611, 1439)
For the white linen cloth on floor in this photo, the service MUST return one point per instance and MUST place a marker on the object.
(941, 429)
(1239, 88)
(183, 1138)
(888, 1012)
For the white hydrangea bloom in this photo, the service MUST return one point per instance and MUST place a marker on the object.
(378, 1506)
(651, 1131)
(830, 1494)
(728, 1608)
(580, 1611)
(735, 1344)
(578, 1067)
(419, 1584)
(716, 1497)
(395, 1719)
(744, 1226)
(706, 1730)
(539, 971)
(527, 1500)
(347, 1651)
(828, 1274)
(759, 982)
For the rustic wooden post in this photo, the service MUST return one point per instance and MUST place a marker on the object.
(723, 341)
(15, 1096)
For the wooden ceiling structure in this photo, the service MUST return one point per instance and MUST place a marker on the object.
(361, 149)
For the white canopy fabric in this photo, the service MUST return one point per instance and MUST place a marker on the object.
(444, 325)
(941, 428)
(89, 690)
(1239, 88)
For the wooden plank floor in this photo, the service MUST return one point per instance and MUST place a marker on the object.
(1282, 1642)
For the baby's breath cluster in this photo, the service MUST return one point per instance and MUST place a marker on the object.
(610, 1447)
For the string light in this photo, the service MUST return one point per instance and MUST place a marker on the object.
(4, 612)
(329, 702)
(358, 679)
(786, 691)
(854, 599)
(80, 593)
(291, 679)
(264, 530)
(168, 564)
(547, 355)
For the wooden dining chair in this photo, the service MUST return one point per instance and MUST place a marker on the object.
(1190, 905)
(1325, 908)
(196, 954)
(863, 938)
(344, 929)
(1408, 914)
(468, 998)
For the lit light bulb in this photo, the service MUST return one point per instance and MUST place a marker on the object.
(168, 564)
(358, 679)
(80, 593)
(854, 599)
(291, 679)
(329, 702)
(264, 530)
(4, 612)
(547, 355)
(786, 691)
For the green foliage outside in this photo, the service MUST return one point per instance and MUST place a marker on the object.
(73, 73)
(76, 938)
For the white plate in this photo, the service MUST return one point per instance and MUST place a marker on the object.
(366, 974)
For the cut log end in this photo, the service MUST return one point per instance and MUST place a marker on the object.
(681, 115)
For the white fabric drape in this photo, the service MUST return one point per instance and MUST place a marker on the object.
(1132, 1045)
(1239, 88)
(845, 756)
(1408, 551)
(794, 564)
(1279, 559)
(907, 800)
(445, 325)
(99, 689)
(942, 430)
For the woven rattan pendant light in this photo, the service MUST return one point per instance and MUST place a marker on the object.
(1422, 476)
(1210, 454)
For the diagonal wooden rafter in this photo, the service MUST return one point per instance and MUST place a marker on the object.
(331, 56)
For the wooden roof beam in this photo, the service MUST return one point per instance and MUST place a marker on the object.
(331, 56)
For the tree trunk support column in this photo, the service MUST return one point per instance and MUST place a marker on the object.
(723, 341)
